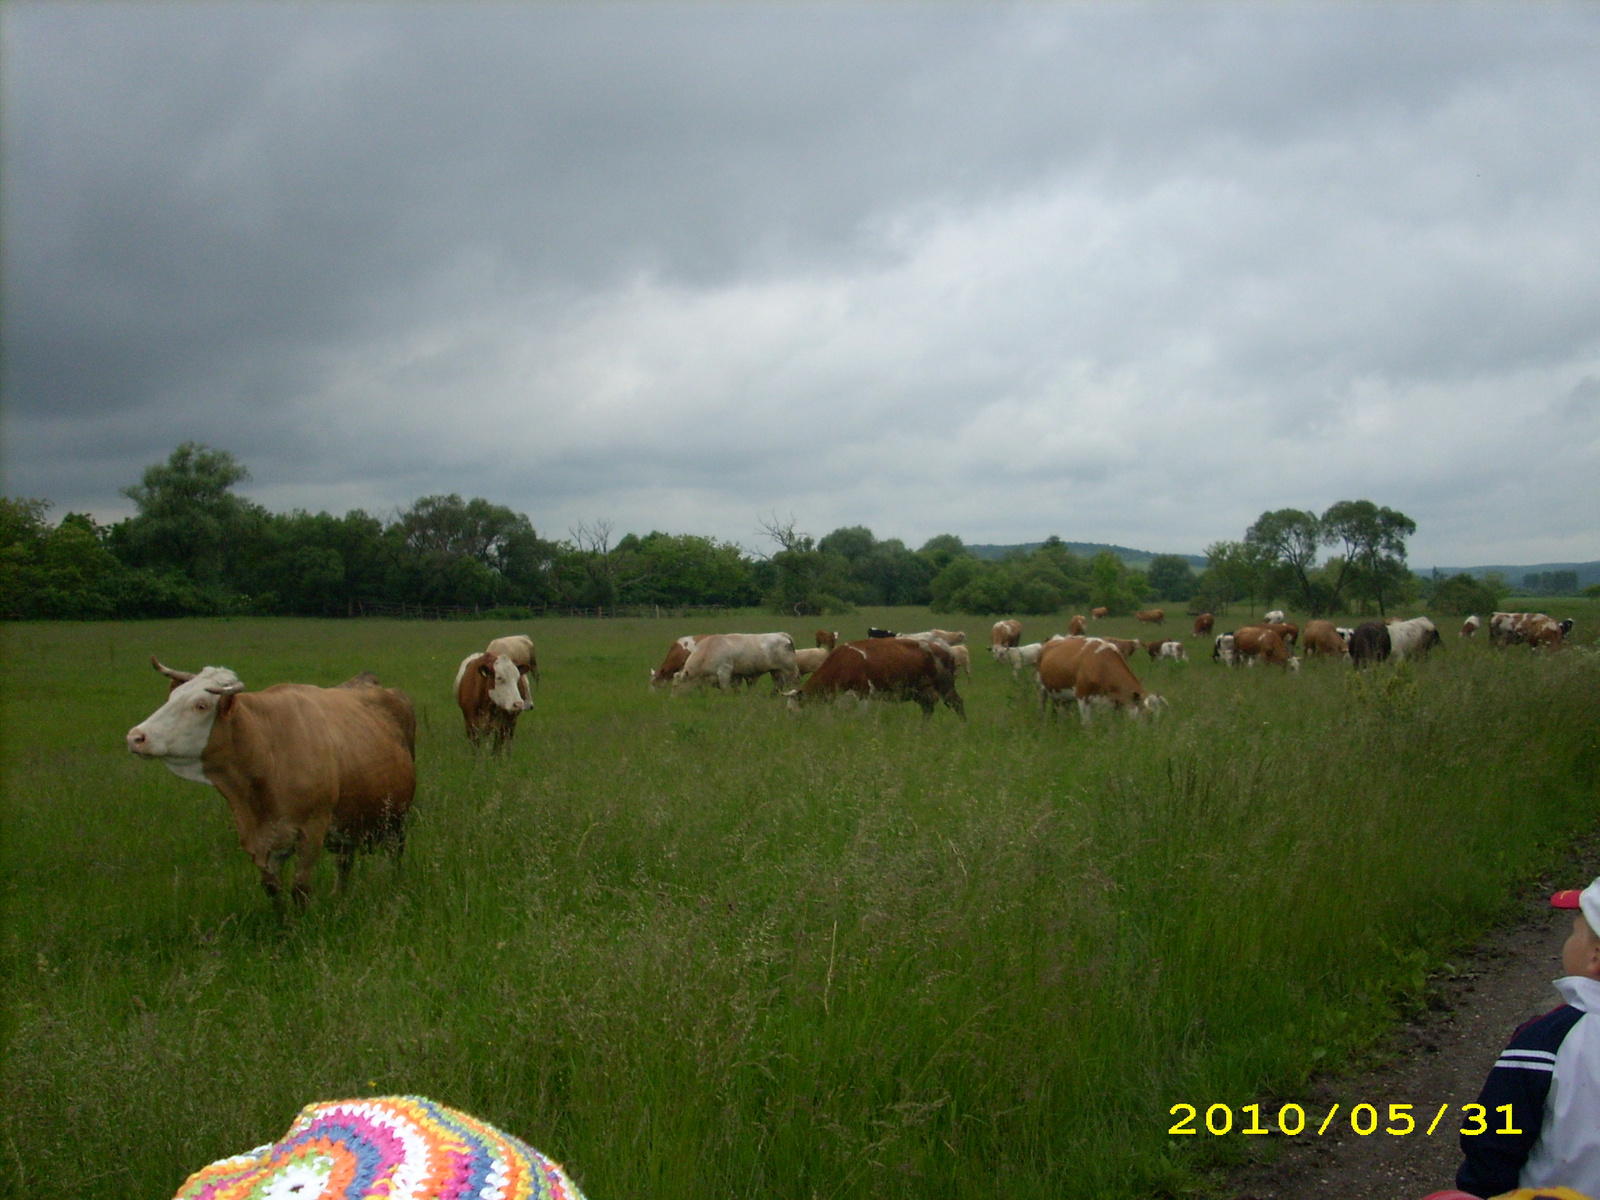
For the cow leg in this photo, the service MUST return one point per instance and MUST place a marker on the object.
(1085, 711)
(953, 700)
(725, 679)
(310, 849)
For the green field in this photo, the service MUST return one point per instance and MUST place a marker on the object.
(707, 947)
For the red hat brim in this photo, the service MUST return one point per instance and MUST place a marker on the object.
(1566, 899)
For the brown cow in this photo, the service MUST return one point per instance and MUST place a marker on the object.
(1097, 613)
(827, 639)
(1076, 626)
(1151, 616)
(1323, 637)
(1203, 624)
(1255, 642)
(1005, 633)
(677, 656)
(302, 768)
(1127, 647)
(890, 669)
(1287, 630)
(1090, 671)
(491, 691)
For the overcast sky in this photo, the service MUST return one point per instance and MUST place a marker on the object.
(1116, 272)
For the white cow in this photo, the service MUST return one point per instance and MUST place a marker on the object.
(1021, 656)
(950, 637)
(809, 658)
(1412, 639)
(725, 657)
(1273, 617)
(1173, 650)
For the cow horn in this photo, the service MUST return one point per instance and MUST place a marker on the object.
(180, 676)
(231, 689)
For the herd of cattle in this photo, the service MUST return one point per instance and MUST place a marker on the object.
(307, 768)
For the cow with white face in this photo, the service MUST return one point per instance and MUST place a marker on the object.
(302, 768)
(489, 688)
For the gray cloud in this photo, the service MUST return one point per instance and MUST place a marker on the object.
(1118, 272)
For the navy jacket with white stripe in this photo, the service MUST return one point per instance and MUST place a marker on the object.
(1550, 1075)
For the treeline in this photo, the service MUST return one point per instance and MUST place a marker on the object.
(195, 547)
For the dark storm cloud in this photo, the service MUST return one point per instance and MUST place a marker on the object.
(997, 270)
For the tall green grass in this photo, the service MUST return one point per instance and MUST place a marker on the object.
(704, 946)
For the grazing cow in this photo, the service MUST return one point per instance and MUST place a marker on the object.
(1076, 626)
(1413, 638)
(302, 768)
(1127, 647)
(1470, 626)
(1369, 643)
(1542, 632)
(518, 647)
(878, 633)
(962, 658)
(950, 637)
(1005, 633)
(1097, 613)
(1151, 616)
(1166, 648)
(1092, 672)
(1507, 629)
(1346, 633)
(1288, 631)
(1321, 637)
(490, 690)
(677, 655)
(809, 659)
(1203, 624)
(1255, 643)
(725, 657)
(1223, 651)
(889, 669)
(827, 639)
(1273, 617)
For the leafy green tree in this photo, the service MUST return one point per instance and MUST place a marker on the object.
(1374, 542)
(1172, 578)
(189, 518)
(1287, 540)
(806, 581)
(1462, 594)
(941, 549)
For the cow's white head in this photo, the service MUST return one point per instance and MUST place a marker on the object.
(502, 676)
(178, 731)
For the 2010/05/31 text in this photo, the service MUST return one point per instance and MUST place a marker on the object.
(1363, 1119)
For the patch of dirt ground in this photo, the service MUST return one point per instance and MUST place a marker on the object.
(1442, 1057)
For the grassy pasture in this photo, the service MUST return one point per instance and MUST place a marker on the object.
(703, 946)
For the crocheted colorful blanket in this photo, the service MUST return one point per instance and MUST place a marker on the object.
(394, 1147)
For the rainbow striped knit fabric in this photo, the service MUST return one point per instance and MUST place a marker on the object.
(395, 1147)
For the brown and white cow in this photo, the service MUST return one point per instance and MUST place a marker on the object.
(1203, 624)
(302, 768)
(1469, 627)
(827, 638)
(1005, 633)
(1151, 616)
(1076, 626)
(1323, 637)
(1287, 630)
(887, 669)
(491, 691)
(677, 655)
(1257, 643)
(950, 637)
(723, 658)
(518, 647)
(1094, 673)
(1127, 647)
(1170, 648)
(1096, 613)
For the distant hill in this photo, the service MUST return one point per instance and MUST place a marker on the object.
(1588, 572)
(1138, 559)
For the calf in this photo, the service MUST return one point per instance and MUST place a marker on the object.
(827, 640)
(1094, 673)
(1166, 648)
(1470, 626)
(1019, 656)
(888, 669)
(302, 768)
(489, 689)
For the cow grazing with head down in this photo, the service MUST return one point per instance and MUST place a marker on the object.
(1076, 626)
(1470, 626)
(1203, 624)
(1413, 638)
(887, 669)
(827, 639)
(1257, 643)
(1151, 616)
(490, 690)
(677, 656)
(724, 658)
(1369, 643)
(1127, 647)
(302, 768)
(1095, 674)
(1005, 633)
(1096, 613)
(1169, 648)
(1321, 637)
(1289, 632)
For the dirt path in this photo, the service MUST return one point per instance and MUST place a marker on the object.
(1443, 1057)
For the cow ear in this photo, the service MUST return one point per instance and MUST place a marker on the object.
(486, 669)
(225, 705)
